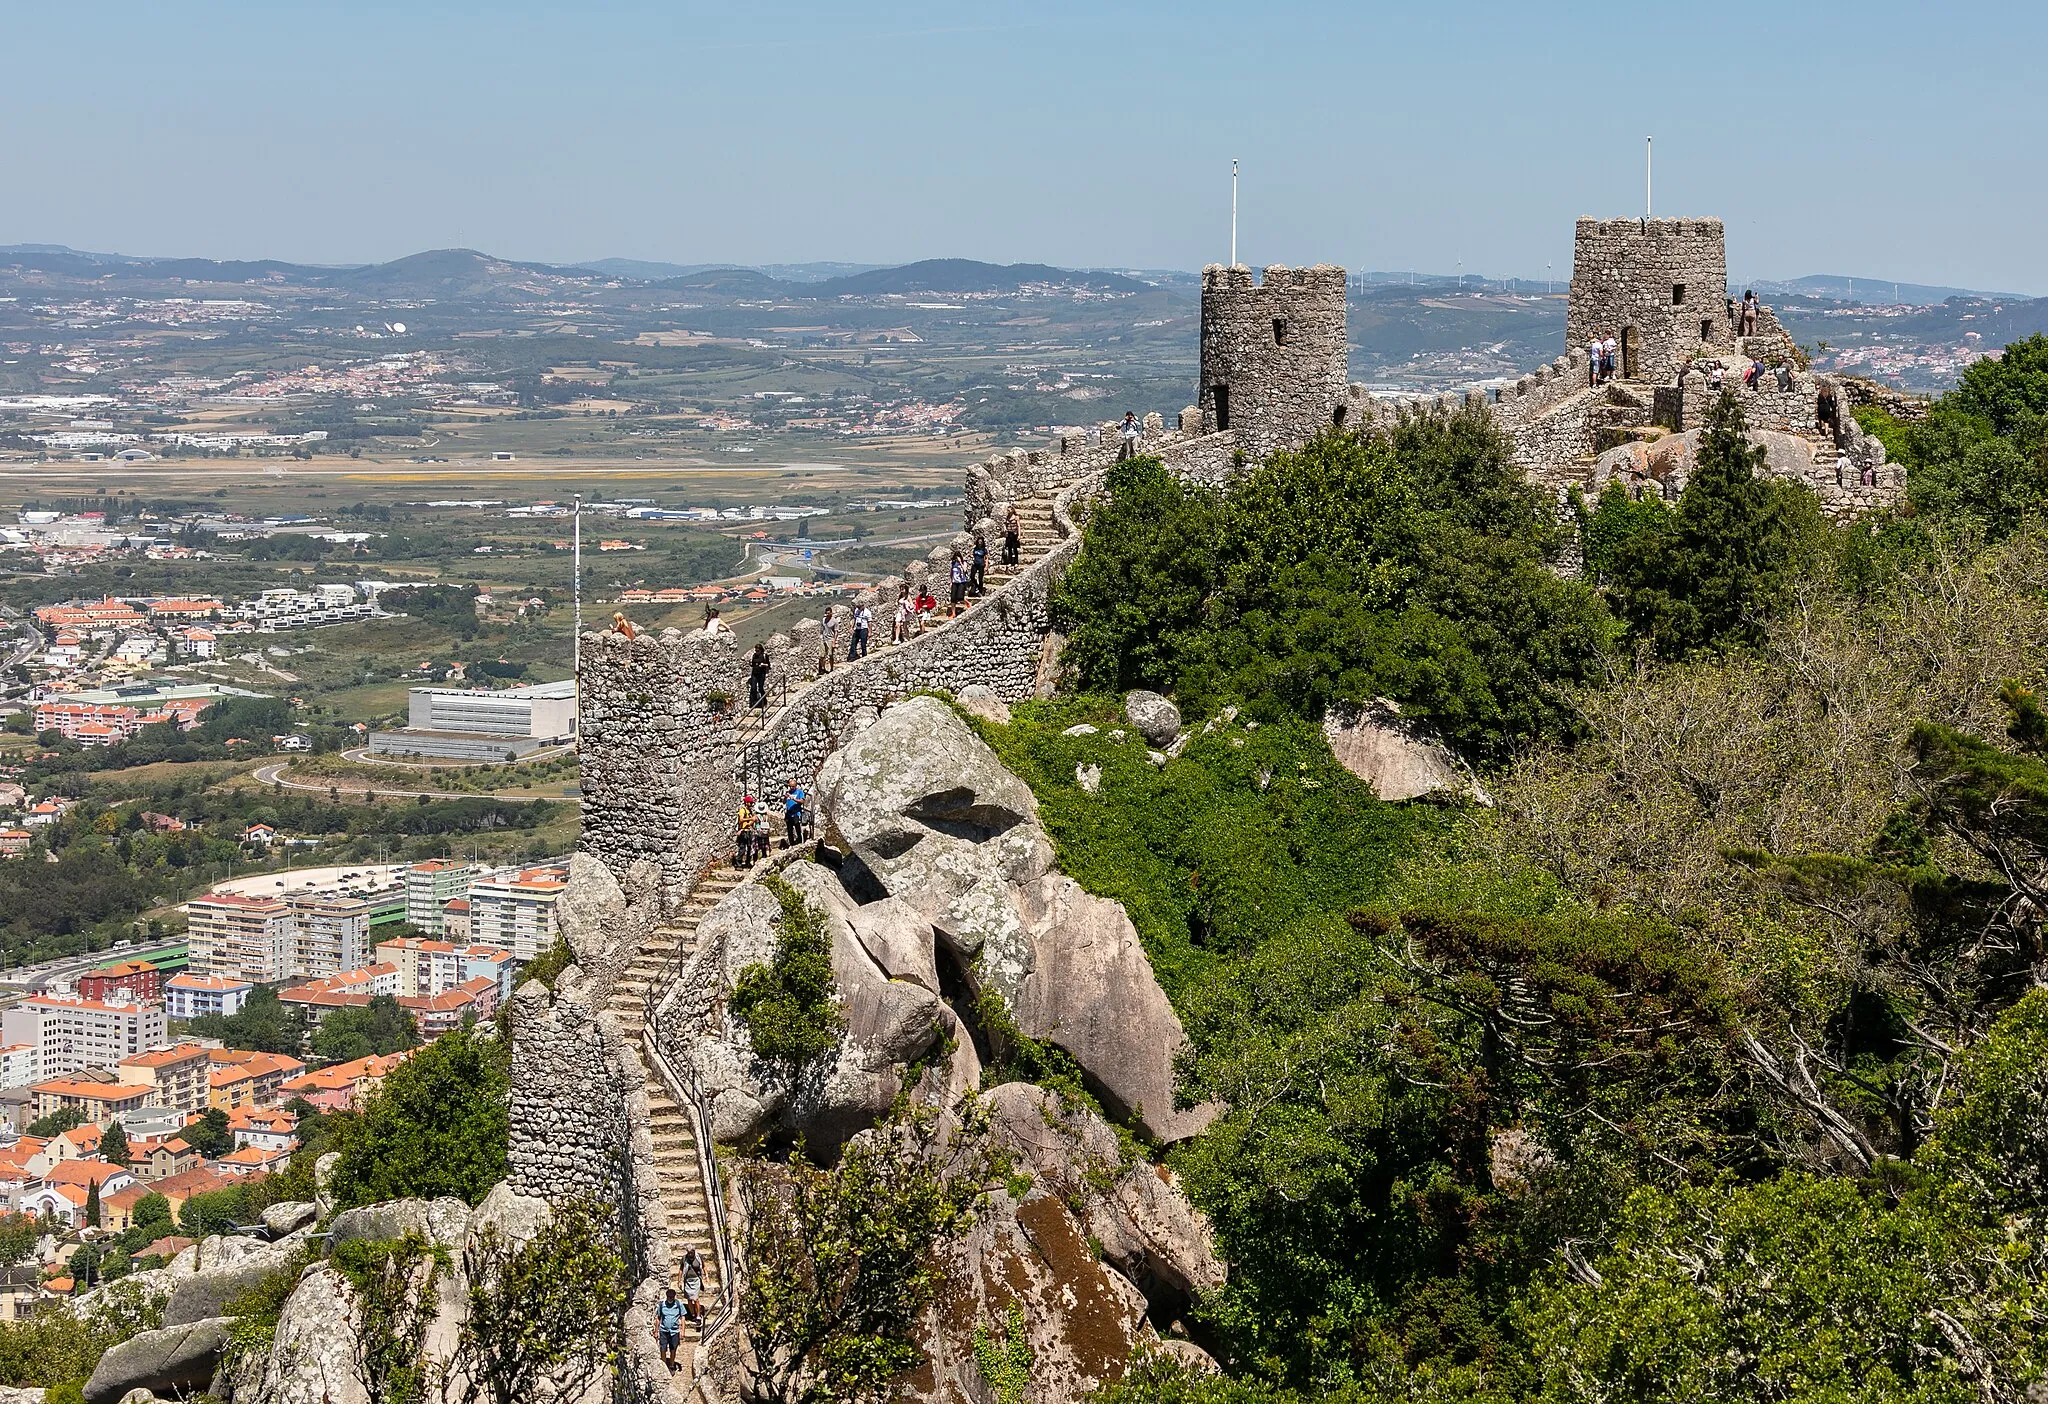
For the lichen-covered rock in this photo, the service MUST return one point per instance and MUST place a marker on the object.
(442, 1221)
(312, 1360)
(175, 1359)
(289, 1217)
(30, 1395)
(1156, 718)
(323, 1182)
(980, 700)
(208, 1291)
(1377, 746)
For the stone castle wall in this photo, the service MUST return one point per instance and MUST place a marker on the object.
(1275, 361)
(1626, 278)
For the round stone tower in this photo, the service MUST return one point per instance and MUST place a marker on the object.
(1275, 363)
(1657, 286)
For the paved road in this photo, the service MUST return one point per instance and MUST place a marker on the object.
(66, 969)
(275, 774)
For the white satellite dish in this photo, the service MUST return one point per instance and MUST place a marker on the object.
(398, 327)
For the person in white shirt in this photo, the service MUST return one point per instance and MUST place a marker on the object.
(1607, 350)
(1130, 433)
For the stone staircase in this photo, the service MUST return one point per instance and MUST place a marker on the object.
(673, 1126)
(1036, 536)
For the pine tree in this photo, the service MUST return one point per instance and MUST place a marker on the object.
(114, 1145)
(92, 1205)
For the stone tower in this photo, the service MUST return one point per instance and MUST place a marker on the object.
(1274, 359)
(1657, 286)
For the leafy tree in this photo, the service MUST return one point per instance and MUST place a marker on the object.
(788, 1005)
(209, 1135)
(545, 1316)
(841, 1262)
(57, 1122)
(1993, 1137)
(19, 1234)
(114, 1144)
(394, 1285)
(92, 1205)
(152, 1214)
(383, 1026)
(1711, 571)
(1800, 1289)
(264, 1024)
(437, 1125)
(2010, 391)
(1412, 565)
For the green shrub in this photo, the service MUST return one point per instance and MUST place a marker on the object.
(788, 1005)
(436, 1126)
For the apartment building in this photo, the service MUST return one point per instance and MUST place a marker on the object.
(96, 1101)
(428, 968)
(135, 981)
(331, 931)
(515, 909)
(17, 1064)
(430, 887)
(188, 996)
(243, 938)
(175, 1076)
(70, 1034)
(242, 1079)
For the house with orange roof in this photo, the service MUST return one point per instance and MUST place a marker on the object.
(96, 1101)
(252, 1160)
(344, 1086)
(266, 1128)
(14, 842)
(104, 1173)
(163, 1249)
(79, 1143)
(434, 1015)
(161, 1160)
(244, 1079)
(117, 1210)
(200, 1180)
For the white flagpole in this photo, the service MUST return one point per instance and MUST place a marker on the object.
(1233, 213)
(1647, 141)
(576, 594)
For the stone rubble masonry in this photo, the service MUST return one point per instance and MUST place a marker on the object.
(1274, 360)
(1658, 286)
(580, 1125)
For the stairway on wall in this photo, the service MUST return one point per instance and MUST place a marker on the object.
(673, 1126)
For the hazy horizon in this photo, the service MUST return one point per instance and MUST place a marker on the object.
(1057, 134)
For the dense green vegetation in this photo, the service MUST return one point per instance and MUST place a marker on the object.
(436, 1126)
(1709, 1061)
(787, 1004)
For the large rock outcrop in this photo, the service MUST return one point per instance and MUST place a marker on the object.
(1089, 1250)
(1400, 763)
(946, 888)
(173, 1360)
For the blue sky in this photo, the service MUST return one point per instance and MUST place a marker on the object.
(1888, 141)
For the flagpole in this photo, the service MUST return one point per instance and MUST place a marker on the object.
(1233, 213)
(576, 596)
(1646, 176)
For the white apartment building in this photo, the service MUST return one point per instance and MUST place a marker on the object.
(515, 909)
(242, 938)
(331, 930)
(18, 1065)
(429, 968)
(188, 996)
(70, 1034)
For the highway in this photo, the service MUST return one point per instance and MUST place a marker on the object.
(39, 977)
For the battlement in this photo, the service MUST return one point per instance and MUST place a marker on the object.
(1589, 227)
(1319, 278)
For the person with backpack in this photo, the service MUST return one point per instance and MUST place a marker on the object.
(743, 840)
(693, 1285)
(977, 575)
(1129, 447)
(863, 620)
(764, 831)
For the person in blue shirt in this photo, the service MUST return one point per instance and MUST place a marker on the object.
(793, 812)
(668, 1317)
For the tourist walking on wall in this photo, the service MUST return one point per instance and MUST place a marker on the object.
(1129, 447)
(1013, 535)
(1593, 360)
(1825, 412)
(668, 1320)
(713, 625)
(764, 828)
(1749, 309)
(863, 620)
(927, 606)
(1752, 375)
(1784, 375)
(825, 642)
(959, 573)
(757, 677)
(793, 813)
(693, 1285)
(1607, 350)
(977, 579)
(743, 837)
(899, 626)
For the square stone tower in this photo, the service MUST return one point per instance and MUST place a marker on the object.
(1657, 286)
(1275, 363)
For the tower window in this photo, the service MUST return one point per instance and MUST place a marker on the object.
(1221, 395)
(1678, 294)
(1338, 416)
(1279, 331)
(1706, 330)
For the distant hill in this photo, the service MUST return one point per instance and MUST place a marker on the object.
(1843, 288)
(739, 282)
(647, 272)
(964, 275)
